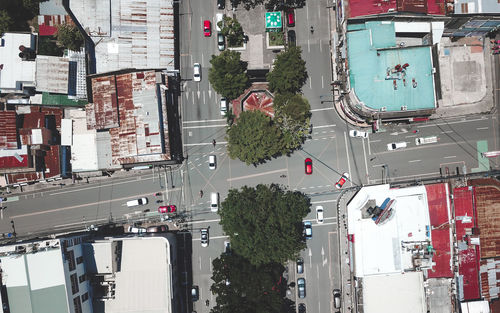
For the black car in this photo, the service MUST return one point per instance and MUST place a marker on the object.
(291, 38)
(221, 4)
(302, 308)
(195, 295)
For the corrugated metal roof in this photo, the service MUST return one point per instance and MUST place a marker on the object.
(130, 33)
(488, 218)
(138, 136)
(8, 132)
(62, 100)
(490, 278)
(14, 158)
(52, 7)
(52, 74)
(47, 24)
(370, 7)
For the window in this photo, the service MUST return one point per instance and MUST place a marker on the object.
(79, 260)
(85, 297)
(71, 260)
(74, 283)
(82, 278)
(77, 304)
(464, 7)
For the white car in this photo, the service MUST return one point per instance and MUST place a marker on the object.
(212, 162)
(136, 202)
(358, 134)
(136, 230)
(223, 106)
(319, 214)
(396, 145)
(204, 237)
(197, 72)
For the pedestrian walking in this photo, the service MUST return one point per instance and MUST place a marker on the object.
(214, 142)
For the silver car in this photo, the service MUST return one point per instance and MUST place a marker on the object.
(197, 72)
(220, 41)
(301, 287)
(204, 237)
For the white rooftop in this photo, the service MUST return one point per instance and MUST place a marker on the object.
(399, 293)
(377, 248)
(143, 285)
(14, 68)
(83, 148)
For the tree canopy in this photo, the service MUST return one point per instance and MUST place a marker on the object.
(5, 22)
(254, 138)
(264, 222)
(228, 74)
(289, 73)
(243, 287)
(271, 5)
(15, 14)
(232, 31)
(293, 115)
(69, 36)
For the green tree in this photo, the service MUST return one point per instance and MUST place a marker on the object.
(247, 4)
(264, 222)
(232, 31)
(69, 37)
(5, 22)
(246, 288)
(47, 45)
(289, 73)
(228, 74)
(292, 115)
(254, 138)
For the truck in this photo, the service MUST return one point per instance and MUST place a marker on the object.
(426, 140)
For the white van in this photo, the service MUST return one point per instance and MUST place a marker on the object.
(214, 202)
(212, 162)
(218, 18)
(137, 202)
(426, 140)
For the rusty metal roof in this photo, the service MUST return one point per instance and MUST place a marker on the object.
(370, 7)
(52, 74)
(130, 100)
(8, 132)
(488, 218)
(130, 33)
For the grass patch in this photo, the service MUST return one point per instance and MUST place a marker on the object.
(276, 39)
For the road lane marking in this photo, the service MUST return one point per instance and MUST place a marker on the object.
(82, 222)
(257, 175)
(348, 162)
(81, 205)
(322, 109)
(450, 157)
(204, 126)
(482, 128)
(413, 161)
(324, 126)
(372, 141)
(324, 201)
(211, 238)
(447, 132)
(203, 144)
(203, 121)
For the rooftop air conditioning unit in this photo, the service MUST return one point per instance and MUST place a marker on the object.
(383, 109)
(404, 108)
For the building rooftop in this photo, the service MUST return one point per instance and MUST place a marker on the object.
(402, 292)
(128, 105)
(8, 130)
(386, 75)
(382, 248)
(488, 216)
(15, 70)
(441, 230)
(129, 33)
(359, 8)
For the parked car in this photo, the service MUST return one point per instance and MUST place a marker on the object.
(212, 162)
(396, 145)
(219, 18)
(302, 308)
(290, 17)
(136, 230)
(301, 287)
(204, 237)
(309, 166)
(336, 298)
(342, 180)
(292, 39)
(358, 134)
(308, 230)
(221, 44)
(167, 209)
(221, 4)
(197, 72)
(426, 140)
(223, 106)
(207, 28)
(136, 202)
(300, 265)
(319, 214)
(195, 294)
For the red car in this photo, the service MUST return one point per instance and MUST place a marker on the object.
(167, 209)
(309, 166)
(290, 17)
(342, 180)
(207, 28)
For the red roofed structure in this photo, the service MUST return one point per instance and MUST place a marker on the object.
(468, 255)
(8, 131)
(441, 230)
(357, 8)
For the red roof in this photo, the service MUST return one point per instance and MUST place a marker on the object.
(8, 133)
(370, 7)
(437, 199)
(46, 30)
(13, 162)
(468, 258)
